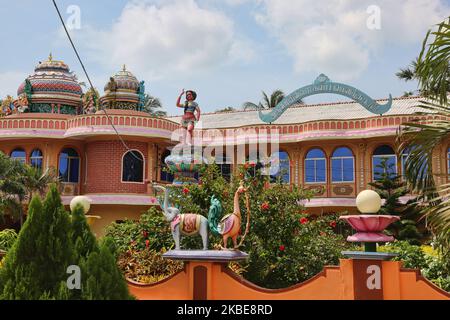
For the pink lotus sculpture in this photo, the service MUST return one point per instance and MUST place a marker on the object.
(370, 227)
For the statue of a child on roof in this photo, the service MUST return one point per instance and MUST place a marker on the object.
(191, 115)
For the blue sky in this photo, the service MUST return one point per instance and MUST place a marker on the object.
(226, 50)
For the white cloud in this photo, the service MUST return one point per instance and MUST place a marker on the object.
(333, 37)
(10, 81)
(162, 39)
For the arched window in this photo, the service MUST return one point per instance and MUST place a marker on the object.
(280, 167)
(315, 167)
(133, 167)
(69, 166)
(342, 165)
(36, 158)
(165, 175)
(19, 155)
(384, 153)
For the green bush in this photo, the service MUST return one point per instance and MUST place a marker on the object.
(433, 266)
(35, 268)
(152, 226)
(412, 256)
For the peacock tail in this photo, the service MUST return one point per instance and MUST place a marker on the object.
(214, 215)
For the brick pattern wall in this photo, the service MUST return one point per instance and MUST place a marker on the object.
(104, 167)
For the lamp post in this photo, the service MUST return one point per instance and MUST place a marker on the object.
(369, 202)
(86, 205)
(369, 225)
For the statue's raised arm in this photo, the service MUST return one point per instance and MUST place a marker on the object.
(191, 115)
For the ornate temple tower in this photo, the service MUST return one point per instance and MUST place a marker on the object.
(123, 91)
(52, 88)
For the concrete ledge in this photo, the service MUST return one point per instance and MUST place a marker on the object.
(206, 255)
(362, 255)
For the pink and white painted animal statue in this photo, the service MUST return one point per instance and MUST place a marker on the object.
(230, 225)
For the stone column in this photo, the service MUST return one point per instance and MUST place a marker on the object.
(361, 177)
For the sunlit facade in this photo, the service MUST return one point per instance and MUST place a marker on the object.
(333, 148)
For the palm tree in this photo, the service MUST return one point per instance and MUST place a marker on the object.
(36, 181)
(421, 138)
(151, 104)
(12, 191)
(267, 102)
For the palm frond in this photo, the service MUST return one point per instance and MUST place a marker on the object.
(433, 70)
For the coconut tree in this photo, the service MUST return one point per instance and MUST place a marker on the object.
(37, 181)
(421, 138)
(12, 190)
(267, 102)
(151, 104)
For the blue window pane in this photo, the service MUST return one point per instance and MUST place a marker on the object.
(36, 153)
(36, 162)
(336, 170)
(74, 169)
(320, 171)
(315, 153)
(63, 169)
(390, 163)
(342, 152)
(349, 170)
(18, 153)
(280, 167)
(309, 171)
(392, 168)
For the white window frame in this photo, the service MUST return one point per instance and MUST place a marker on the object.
(315, 170)
(342, 168)
(37, 158)
(143, 168)
(69, 165)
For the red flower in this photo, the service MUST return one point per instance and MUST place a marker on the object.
(185, 190)
(252, 164)
(303, 220)
(282, 248)
(333, 224)
(145, 234)
(147, 243)
(265, 206)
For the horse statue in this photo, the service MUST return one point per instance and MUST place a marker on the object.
(187, 224)
(230, 225)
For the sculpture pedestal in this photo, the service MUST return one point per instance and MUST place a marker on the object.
(223, 256)
(200, 265)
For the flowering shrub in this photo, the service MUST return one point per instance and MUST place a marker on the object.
(151, 232)
(284, 244)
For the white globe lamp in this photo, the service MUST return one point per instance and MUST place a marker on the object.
(83, 201)
(368, 202)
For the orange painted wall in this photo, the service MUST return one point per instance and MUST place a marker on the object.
(333, 283)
